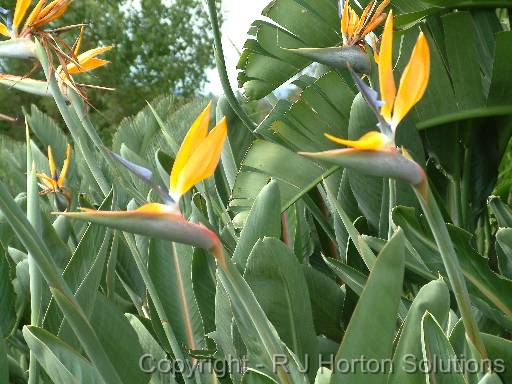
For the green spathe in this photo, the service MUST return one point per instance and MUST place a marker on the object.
(166, 226)
(337, 57)
(388, 163)
(18, 49)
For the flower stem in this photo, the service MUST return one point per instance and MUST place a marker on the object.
(452, 265)
(221, 67)
(392, 203)
(36, 279)
(249, 312)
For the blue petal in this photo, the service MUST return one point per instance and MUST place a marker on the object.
(8, 17)
(372, 98)
(145, 175)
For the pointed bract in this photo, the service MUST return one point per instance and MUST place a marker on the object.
(196, 134)
(65, 166)
(4, 30)
(204, 160)
(153, 220)
(372, 141)
(386, 79)
(20, 12)
(88, 61)
(389, 163)
(414, 80)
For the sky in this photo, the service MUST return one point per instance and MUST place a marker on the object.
(238, 16)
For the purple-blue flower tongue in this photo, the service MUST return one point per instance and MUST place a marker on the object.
(145, 175)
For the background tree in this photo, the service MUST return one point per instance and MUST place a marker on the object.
(160, 47)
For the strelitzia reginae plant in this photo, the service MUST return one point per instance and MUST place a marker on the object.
(20, 43)
(355, 30)
(376, 154)
(54, 183)
(196, 161)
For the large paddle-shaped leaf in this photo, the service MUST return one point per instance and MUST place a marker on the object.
(437, 350)
(371, 329)
(277, 280)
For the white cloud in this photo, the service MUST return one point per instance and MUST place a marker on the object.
(238, 16)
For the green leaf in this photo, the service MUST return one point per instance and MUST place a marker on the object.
(116, 335)
(4, 365)
(468, 3)
(484, 282)
(88, 337)
(170, 268)
(294, 174)
(150, 347)
(256, 377)
(49, 133)
(362, 247)
(259, 334)
(504, 240)
(500, 92)
(437, 349)
(326, 302)
(323, 107)
(490, 378)
(264, 64)
(63, 364)
(380, 296)
(7, 297)
(323, 376)
(500, 350)
(264, 220)
(502, 211)
(464, 68)
(203, 282)
(87, 289)
(277, 280)
(352, 277)
(434, 298)
(84, 266)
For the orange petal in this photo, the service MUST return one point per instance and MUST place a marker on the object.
(386, 79)
(364, 17)
(375, 50)
(414, 80)
(372, 141)
(20, 12)
(47, 181)
(353, 22)
(4, 30)
(78, 42)
(146, 210)
(87, 66)
(51, 12)
(374, 24)
(204, 160)
(35, 13)
(380, 10)
(65, 166)
(51, 162)
(87, 55)
(344, 19)
(195, 136)
(57, 11)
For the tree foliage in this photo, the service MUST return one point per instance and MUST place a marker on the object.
(159, 47)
